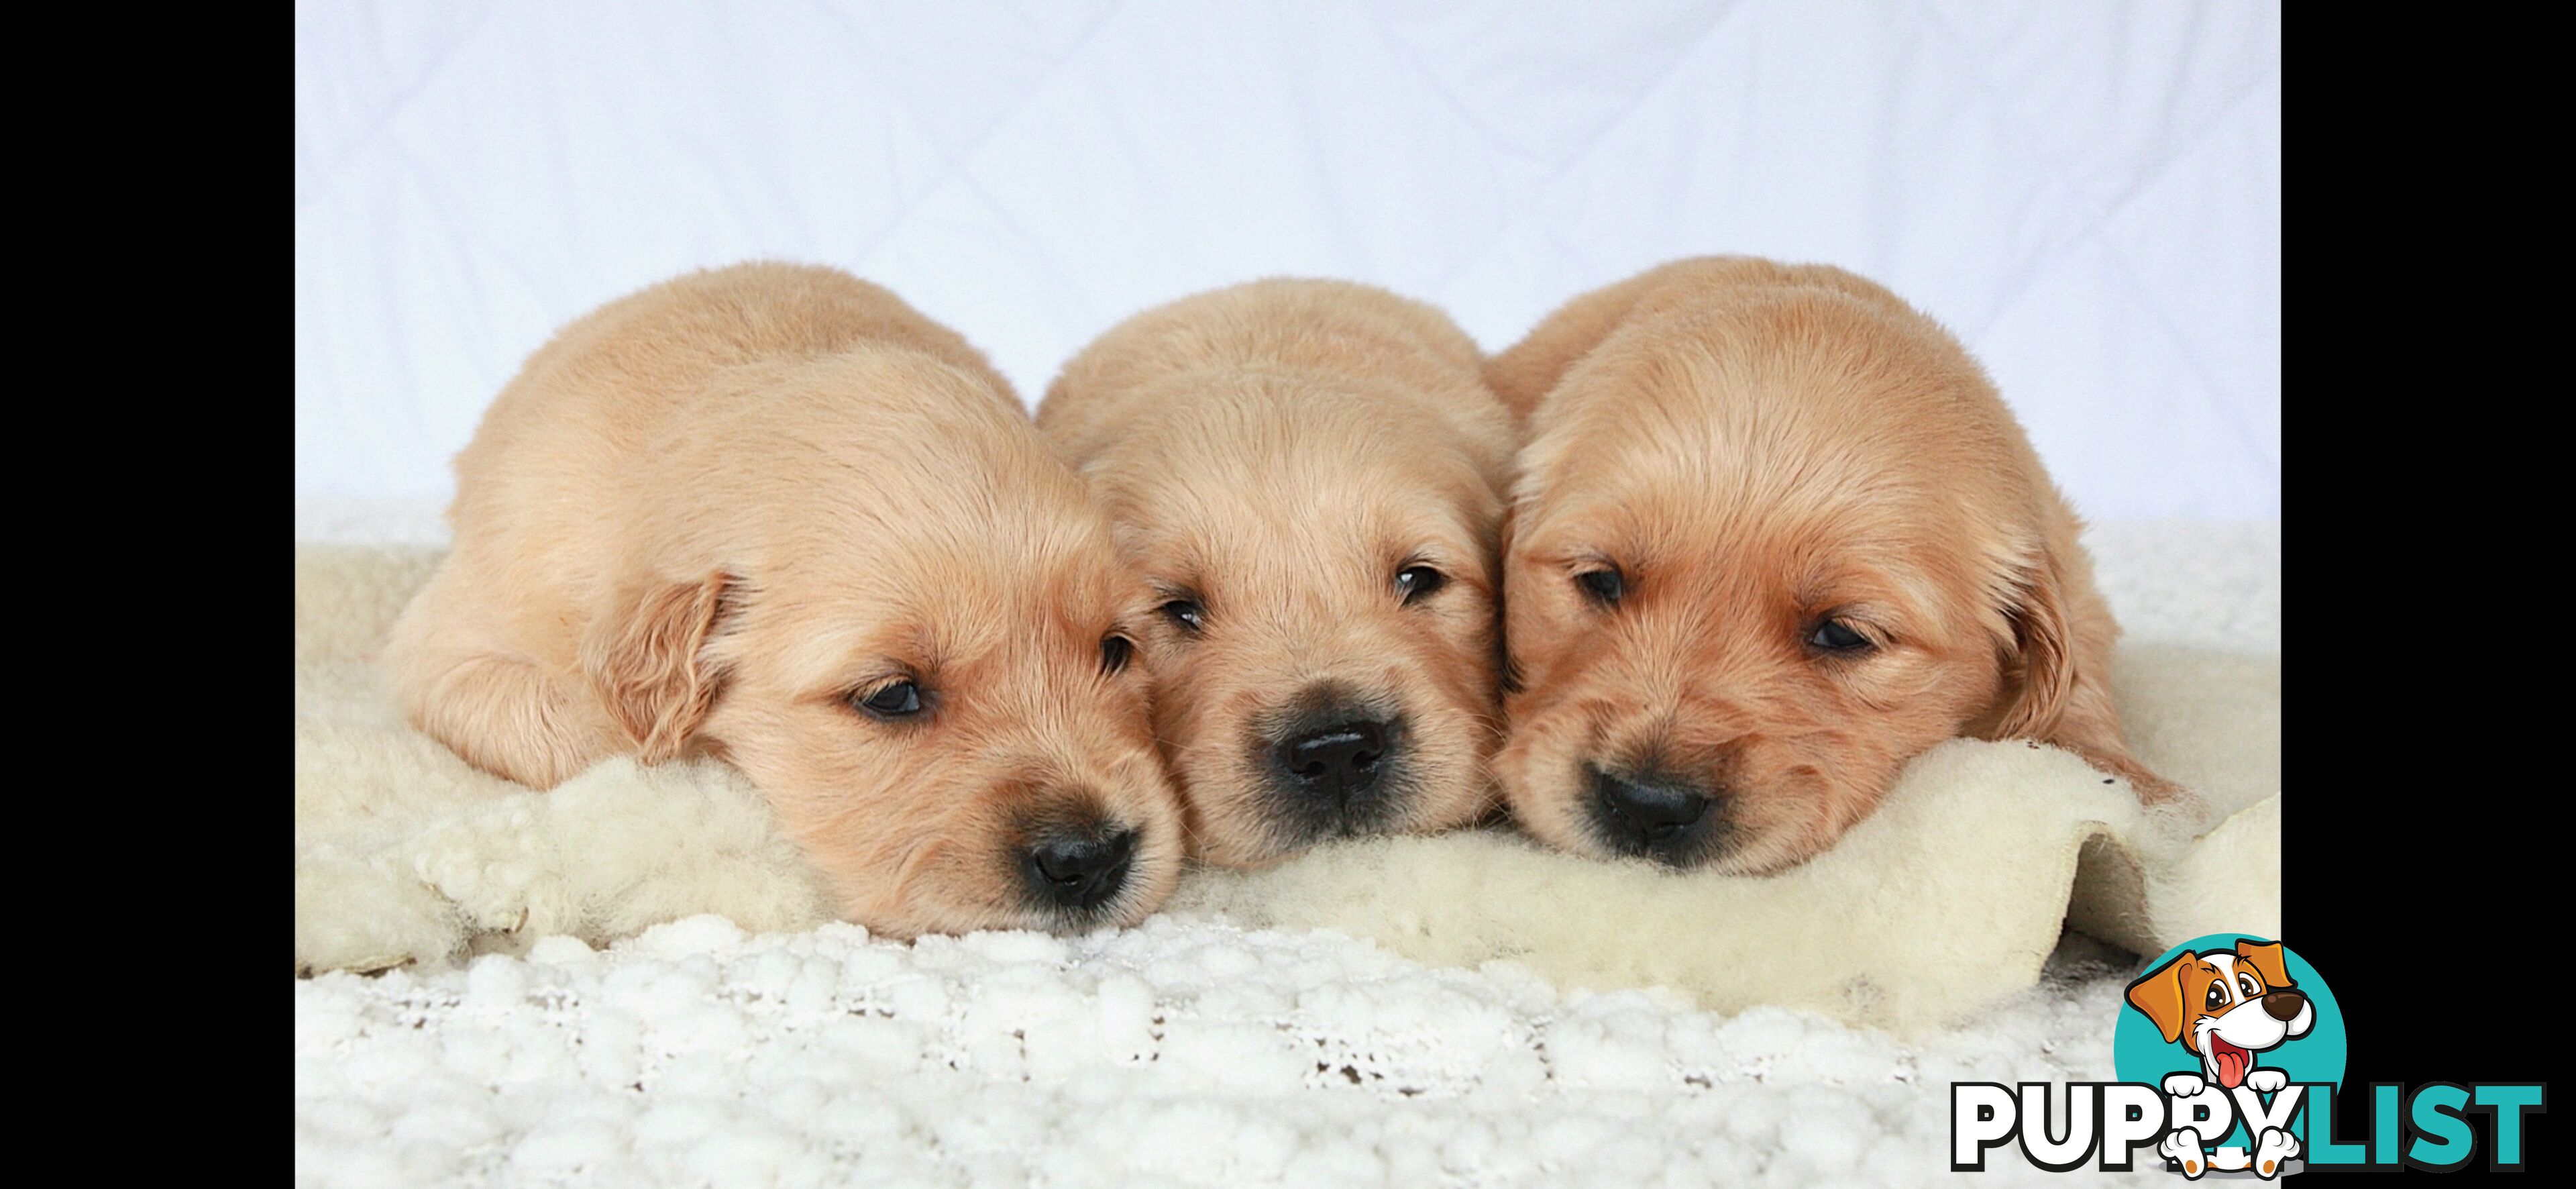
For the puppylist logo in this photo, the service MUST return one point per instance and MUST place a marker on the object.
(2229, 1050)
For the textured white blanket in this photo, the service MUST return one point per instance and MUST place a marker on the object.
(1185, 1051)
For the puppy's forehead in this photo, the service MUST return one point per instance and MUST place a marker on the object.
(1810, 520)
(1733, 466)
(1803, 402)
(1282, 505)
(2220, 968)
(1733, 540)
(930, 607)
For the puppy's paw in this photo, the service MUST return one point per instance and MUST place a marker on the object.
(2272, 1151)
(2266, 1081)
(2183, 1085)
(2183, 1148)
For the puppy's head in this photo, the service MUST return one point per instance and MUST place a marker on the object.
(1325, 640)
(1765, 551)
(921, 648)
(2225, 1006)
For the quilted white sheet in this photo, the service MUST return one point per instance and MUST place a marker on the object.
(2088, 193)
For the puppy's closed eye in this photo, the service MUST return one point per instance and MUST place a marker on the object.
(891, 702)
(1115, 650)
(1837, 636)
(1603, 586)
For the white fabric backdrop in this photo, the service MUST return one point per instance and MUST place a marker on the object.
(2088, 193)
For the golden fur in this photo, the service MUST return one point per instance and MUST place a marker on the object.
(714, 515)
(1749, 450)
(1277, 454)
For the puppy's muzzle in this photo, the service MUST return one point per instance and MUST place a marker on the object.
(1334, 767)
(1079, 870)
(1338, 761)
(1656, 815)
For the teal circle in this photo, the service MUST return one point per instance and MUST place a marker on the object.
(2140, 1053)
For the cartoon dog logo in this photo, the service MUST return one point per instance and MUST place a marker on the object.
(2226, 1007)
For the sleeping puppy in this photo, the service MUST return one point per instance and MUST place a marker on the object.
(1311, 475)
(774, 515)
(1775, 534)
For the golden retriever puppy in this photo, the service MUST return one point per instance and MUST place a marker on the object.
(774, 515)
(1311, 474)
(1774, 535)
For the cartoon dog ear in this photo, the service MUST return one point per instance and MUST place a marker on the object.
(2045, 645)
(2158, 994)
(2265, 957)
(643, 657)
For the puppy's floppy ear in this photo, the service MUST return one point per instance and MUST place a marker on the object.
(2063, 695)
(2158, 994)
(2265, 958)
(2044, 642)
(643, 657)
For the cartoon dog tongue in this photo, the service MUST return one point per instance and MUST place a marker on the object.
(2232, 1062)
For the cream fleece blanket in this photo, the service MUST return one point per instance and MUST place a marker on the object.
(1944, 902)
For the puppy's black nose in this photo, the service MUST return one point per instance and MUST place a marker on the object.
(2284, 1005)
(1651, 814)
(1082, 872)
(1339, 761)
